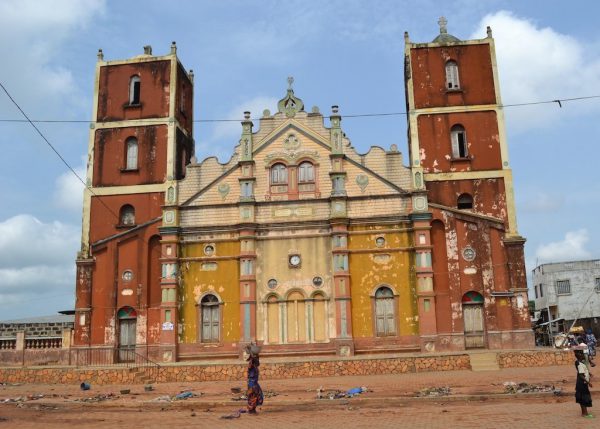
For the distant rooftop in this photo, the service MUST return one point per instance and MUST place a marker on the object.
(55, 318)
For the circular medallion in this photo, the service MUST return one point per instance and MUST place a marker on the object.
(272, 284)
(468, 253)
(127, 275)
(379, 241)
(317, 281)
(209, 250)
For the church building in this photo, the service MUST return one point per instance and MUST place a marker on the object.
(300, 243)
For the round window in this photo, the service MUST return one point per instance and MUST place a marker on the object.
(127, 275)
(468, 253)
(272, 284)
(209, 250)
(317, 281)
(379, 241)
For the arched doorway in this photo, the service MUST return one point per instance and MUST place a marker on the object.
(273, 319)
(296, 318)
(210, 318)
(385, 316)
(472, 303)
(127, 322)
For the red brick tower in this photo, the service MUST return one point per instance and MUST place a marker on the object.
(459, 156)
(140, 144)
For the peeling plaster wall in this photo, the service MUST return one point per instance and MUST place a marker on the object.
(475, 75)
(113, 97)
(199, 278)
(373, 267)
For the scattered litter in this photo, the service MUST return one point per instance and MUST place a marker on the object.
(148, 388)
(164, 398)
(269, 393)
(85, 386)
(98, 398)
(355, 391)
(512, 388)
(241, 397)
(231, 416)
(185, 395)
(434, 391)
(125, 391)
(236, 390)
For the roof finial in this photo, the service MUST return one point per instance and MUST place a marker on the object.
(443, 22)
(290, 80)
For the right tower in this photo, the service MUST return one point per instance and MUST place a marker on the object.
(459, 156)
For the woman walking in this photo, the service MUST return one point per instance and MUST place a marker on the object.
(582, 386)
(254, 393)
(591, 341)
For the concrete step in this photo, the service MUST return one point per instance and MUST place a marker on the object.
(484, 362)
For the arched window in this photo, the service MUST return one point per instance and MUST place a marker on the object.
(127, 215)
(296, 318)
(458, 136)
(132, 154)
(210, 319)
(452, 81)
(134, 90)
(306, 172)
(279, 174)
(464, 201)
(385, 316)
(273, 319)
(320, 317)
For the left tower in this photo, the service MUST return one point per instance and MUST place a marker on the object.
(140, 143)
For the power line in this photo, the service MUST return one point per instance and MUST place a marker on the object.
(558, 101)
(64, 161)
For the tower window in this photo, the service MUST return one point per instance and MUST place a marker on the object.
(132, 154)
(452, 75)
(127, 215)
(465, 201)
(134, 90)
(306, 172)
(458, 136)
(279, 174)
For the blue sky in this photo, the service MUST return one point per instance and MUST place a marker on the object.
(348, 53)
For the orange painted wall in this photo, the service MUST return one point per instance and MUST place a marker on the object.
(475, 75)
(110, 156)
(113, 95)
(103, 222)
(482, 140)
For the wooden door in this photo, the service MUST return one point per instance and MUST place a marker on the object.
(384, 313)
(320, 318)
(127, 340)
(210, 323)
(296, 318)
(474, 330)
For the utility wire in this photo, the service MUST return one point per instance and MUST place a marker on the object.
(64, 161)
(558, 101)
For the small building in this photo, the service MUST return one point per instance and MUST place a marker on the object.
(568, 291)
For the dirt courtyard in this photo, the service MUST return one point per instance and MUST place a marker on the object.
(461, 399)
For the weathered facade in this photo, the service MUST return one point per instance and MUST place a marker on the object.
(569, 291)
(299, 242)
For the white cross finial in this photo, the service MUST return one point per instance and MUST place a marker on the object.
(290, 80)
(442, 22)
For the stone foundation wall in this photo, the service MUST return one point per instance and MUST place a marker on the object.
(237, 371)
(535, 358)
(277, 370)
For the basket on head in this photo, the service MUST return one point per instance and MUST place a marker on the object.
(252, 349)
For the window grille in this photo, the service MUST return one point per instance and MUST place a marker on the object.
(563, 287)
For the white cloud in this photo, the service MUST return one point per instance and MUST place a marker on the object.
(538, 63)
(69, 190)
(37, 264)
(34, 33)
(225, 135)
(572, 247)
(25, 241)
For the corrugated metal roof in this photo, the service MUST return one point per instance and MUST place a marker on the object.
(55, 318)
